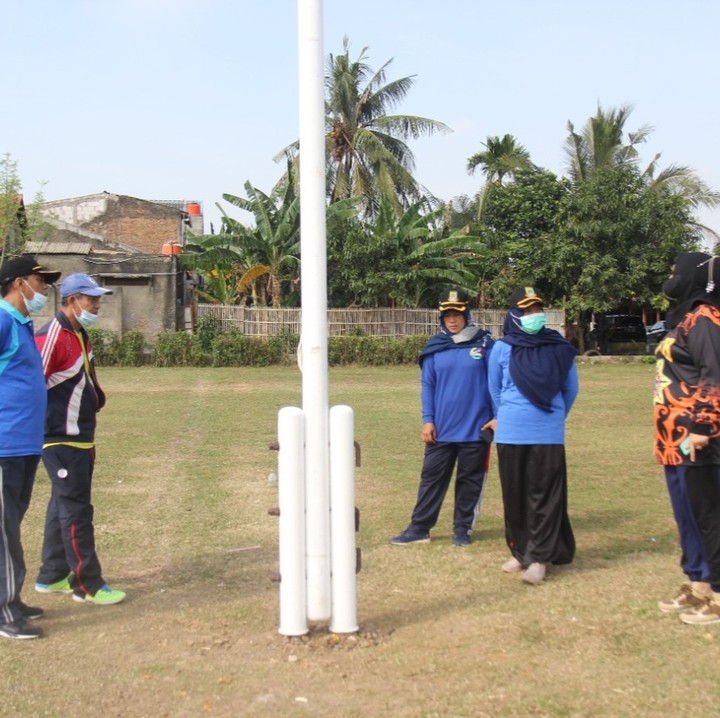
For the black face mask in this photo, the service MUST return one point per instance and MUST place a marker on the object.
(670, 287)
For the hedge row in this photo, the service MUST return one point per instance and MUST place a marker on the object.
(211, 347)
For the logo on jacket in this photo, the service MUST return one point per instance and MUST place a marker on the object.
(477, 352)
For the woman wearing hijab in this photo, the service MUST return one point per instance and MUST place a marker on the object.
(533, 384)
(687, 428)
(455, 405)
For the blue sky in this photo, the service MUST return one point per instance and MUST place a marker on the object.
(188, 99)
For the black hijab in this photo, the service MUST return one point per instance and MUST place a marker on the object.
(695, 279)
(539, 363)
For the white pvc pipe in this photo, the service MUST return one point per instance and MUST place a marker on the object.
(342, 520)
(313, 255)
(291, 501)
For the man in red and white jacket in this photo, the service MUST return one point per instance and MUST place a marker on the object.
(69, 560)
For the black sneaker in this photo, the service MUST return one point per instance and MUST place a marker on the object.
(20, 629)
(30, 613)
(411, 535)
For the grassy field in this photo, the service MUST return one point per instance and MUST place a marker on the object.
(182, 499)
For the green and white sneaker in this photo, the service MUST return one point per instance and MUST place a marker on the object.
(61, 586)
(104, 596)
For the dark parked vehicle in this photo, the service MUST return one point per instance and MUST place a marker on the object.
(618, 334)
(655, 333)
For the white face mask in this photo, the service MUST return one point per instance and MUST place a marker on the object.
(36, 303)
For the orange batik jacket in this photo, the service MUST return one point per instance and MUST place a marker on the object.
(687, 387)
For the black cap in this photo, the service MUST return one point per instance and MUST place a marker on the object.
(24, 266)
(524, 297)
(453, 299)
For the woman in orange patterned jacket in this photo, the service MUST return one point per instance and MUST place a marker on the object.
(687, 428)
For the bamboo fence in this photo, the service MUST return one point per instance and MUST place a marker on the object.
(269, 321)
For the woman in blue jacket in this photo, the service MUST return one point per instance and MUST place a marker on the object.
(455, 406)
(533, 384)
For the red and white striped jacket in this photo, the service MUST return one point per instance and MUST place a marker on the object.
(74, 395)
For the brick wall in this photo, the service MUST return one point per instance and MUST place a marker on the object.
(118, 218)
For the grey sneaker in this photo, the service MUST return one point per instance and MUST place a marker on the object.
(411, 535)
(20, 630)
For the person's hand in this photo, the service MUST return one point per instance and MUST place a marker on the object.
(490, 425)
(428, 433)
(697, 442)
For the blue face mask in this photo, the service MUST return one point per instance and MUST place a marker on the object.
(37, 302)
(86, 319)
(533, 323)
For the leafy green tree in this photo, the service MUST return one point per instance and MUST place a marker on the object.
(367, 151)
(19, 223)
(612, 246)
(601, 245)
(12, 217)
(616, 241)
(625, 223)
(517, 225)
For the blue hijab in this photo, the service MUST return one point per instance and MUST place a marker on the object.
(539, 363)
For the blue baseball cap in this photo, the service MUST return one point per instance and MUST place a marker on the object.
(79, 283)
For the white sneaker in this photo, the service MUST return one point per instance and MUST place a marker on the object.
(534, 574)
(512, 566)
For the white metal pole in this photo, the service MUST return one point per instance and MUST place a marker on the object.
(342, 520)
(313, 255)
(291, 501)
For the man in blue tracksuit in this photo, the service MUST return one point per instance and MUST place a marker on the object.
(24, 286)
(455, 405)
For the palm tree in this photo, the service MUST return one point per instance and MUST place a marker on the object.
(601, 145)
(367, 154)
(501, 158)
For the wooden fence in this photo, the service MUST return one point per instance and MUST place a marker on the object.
(267, 321)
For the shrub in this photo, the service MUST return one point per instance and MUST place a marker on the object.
(374, 351)
(132, 349)
(106, 347)
(173, 349)
(283, 347)
(207, 328)
(232, 348)
(235, 349)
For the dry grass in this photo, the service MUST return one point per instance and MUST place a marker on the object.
(181, 501)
